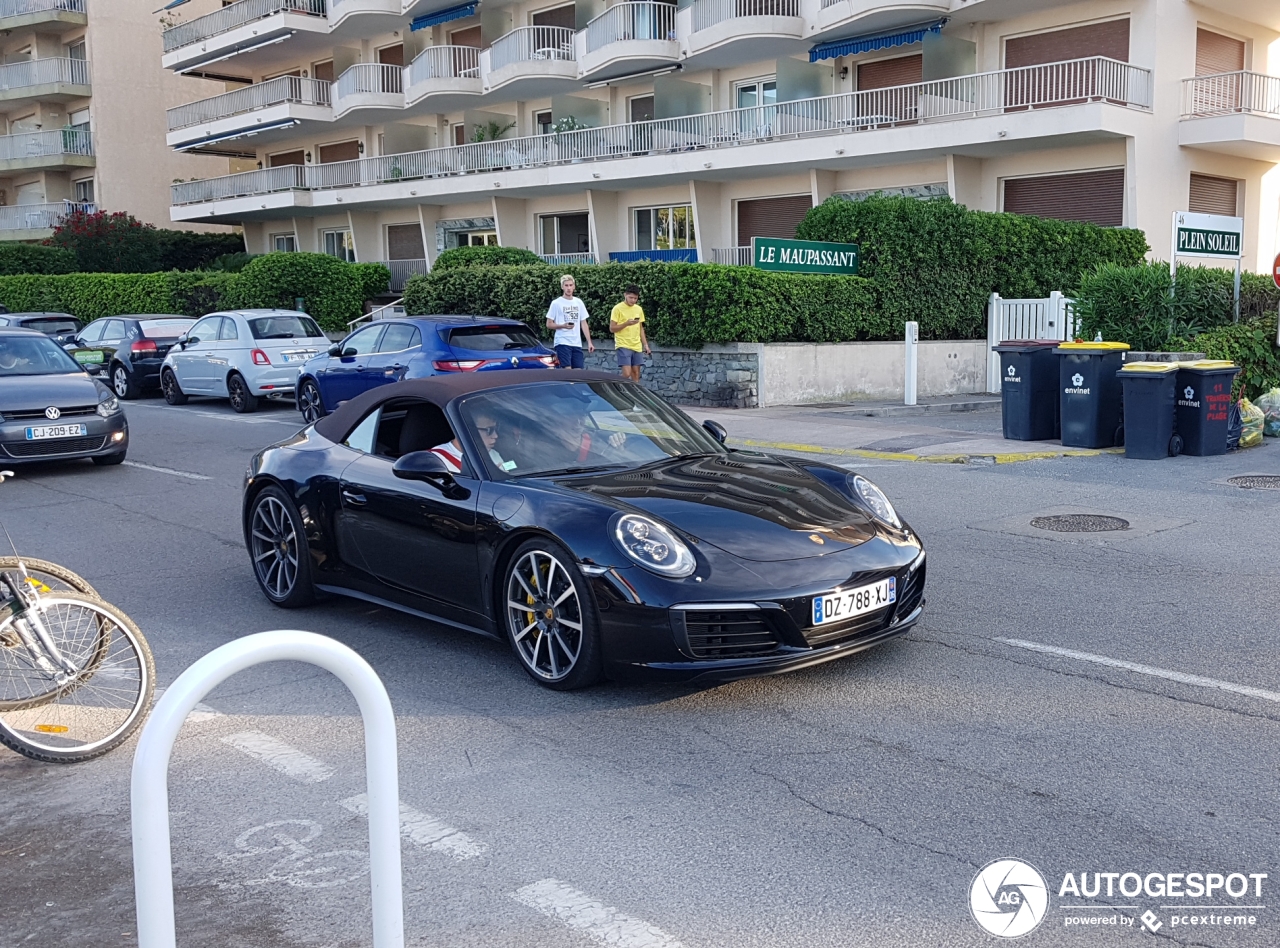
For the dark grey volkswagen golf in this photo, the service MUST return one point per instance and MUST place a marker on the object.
(53, 409)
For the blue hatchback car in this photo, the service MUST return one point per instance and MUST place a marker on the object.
(390, 350)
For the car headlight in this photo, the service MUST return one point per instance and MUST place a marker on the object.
(653, 546)
(108, 406)
(875, 500)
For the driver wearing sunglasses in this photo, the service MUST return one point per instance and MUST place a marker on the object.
(487, 428)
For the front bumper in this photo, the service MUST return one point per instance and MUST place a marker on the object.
(105, 436)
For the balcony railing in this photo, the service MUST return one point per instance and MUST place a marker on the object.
(1011, 90)
(278, 91)
(1230, 92)
(632, 21)
(567, 259)
(707, 13)
(401, 270)
(530, 44)
(10, 8)
(364, 78)
(238, 14)
(40, 72)
(39, 216)
(46, 144)
(445, 62)
(735, 256)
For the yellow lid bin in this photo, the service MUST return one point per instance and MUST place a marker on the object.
(1208, 364)
(1133, 368)
(1095, 346)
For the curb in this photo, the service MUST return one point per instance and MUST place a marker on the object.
(1007, 458)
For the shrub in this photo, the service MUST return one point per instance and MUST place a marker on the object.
(481, 256)
(1250, 344)
(937, 262)
(332, 291)
(375, 278)
(34, 258)
(686, 304)
(108, 243)
(194, 250)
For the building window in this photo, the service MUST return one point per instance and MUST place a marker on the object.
(564, 16)
(284, 243)
(76, 51)
(1093, 196)
(84, 191)
(565, 233)
(404, 242)
(756, 92)
(481, 238)
(665, 228)
(339, 243)
(543, 121)
(640, 108)
(323, 71)
(771, 217)
(1210, 195)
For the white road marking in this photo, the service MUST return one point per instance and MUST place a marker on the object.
(423, 830)
(1198, 680)
(241, 419)
(167, 470)
(578, 910)
(280, 756)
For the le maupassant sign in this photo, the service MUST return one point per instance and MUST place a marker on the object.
(804, 256)
(1207, 235)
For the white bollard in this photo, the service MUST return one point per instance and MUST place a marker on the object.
(913, 343)
(152, 856)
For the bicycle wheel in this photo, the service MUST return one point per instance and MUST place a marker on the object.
(50, 577)
(50, 713)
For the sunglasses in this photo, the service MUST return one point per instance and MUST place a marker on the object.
(487, 430)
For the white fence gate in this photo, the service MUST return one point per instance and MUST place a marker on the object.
(1052, 318)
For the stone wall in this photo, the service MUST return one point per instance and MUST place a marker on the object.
(714, 376)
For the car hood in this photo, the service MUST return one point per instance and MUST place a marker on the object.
(755, 507)
(29, 392)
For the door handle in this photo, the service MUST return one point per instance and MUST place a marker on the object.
(353, 498)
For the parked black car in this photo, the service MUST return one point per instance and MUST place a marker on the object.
(61, 327)
(130, 349)
(595, 528)
(51, 408)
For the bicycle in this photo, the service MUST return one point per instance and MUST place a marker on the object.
(76, 673)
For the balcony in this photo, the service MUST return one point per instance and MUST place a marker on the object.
(536, 59)
(446, 76)
(1233, 113)
(52, 150)
(753, 27)
(242, 26)
(341, 10)
(733, 256)
(567, 259)
(628, 37)
(47, 16)
(36, 221)
(925, 118)
(401, 270)
(54, 79)
(369, 86)
(832, 19)
(276, 104)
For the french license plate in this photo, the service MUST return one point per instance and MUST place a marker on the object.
(56, 431)
(297, 356)
(835, 607)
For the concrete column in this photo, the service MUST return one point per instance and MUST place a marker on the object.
(367, 236)
(511, 219)
(964, 182)
(255, 239)
(1131, 189)
(822, 184)
(428, 214)
(708, 218)
(304, 232)
(605, 221)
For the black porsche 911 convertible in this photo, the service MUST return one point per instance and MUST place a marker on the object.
(598, 530)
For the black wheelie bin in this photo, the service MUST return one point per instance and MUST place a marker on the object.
(1090, 393)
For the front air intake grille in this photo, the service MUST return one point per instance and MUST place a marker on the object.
(54, 446)
(850, 629)
(728, 634)
(910, 591)
(39, 413)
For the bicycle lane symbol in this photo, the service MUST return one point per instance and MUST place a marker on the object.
(283, 845)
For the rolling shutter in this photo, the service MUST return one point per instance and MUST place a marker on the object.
(404, 242)
(1093, 196)
(883, 73)
(285, 158)
(342, 151)
(467, 37)
(566, 16)
(771, 217)
(1213, 195)
(392, 55)
(1216, 53)
(1110, 39)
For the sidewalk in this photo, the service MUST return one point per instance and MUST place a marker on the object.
(957, 429)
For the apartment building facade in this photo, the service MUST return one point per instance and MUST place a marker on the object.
(394, 129)
(80, 109)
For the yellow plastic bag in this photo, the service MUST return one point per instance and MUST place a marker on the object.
(1253, 418)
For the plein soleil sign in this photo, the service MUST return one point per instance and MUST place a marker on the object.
(804, 256)
(1208, 235)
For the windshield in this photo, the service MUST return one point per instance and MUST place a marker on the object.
(164, 328)
(568, 427)
(33, 355)
(284, 327)
(493, 338)
(51, 327)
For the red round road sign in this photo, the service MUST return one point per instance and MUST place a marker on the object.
(1275, 270)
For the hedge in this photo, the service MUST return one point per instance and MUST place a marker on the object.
(34, 258)
(686, 304)
(334, 292)
(473, 256)
(120, 243)
(1250, 344)
(938, 263)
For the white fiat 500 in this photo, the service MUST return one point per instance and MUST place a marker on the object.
(243, 355)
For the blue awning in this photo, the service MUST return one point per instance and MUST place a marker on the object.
(444, 16)
(865, 44)
(682, 255)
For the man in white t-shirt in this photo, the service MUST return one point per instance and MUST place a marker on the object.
(567, 315)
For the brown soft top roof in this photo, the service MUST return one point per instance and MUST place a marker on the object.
(442, 389)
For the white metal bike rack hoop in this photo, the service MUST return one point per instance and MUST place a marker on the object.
(152, 855)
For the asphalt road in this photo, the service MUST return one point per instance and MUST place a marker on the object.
(847, 805)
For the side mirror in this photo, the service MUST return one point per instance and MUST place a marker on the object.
(182, 341)
(335, 350)
(93, 368)
(429, 467)
(716, 430)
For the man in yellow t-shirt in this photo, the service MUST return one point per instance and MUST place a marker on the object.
(626, 322)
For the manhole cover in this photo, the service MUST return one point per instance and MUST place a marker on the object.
(1080, 523)
(1256, 481)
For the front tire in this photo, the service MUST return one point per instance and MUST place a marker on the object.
(173, 393)
(550, 617)
(278, 550)
(310, 403)
(243, 401)
(123, 384)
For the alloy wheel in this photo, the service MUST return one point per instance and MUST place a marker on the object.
(235, 391)
(544, 615)
(120, 381)
(275, 547)
(310, 402)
